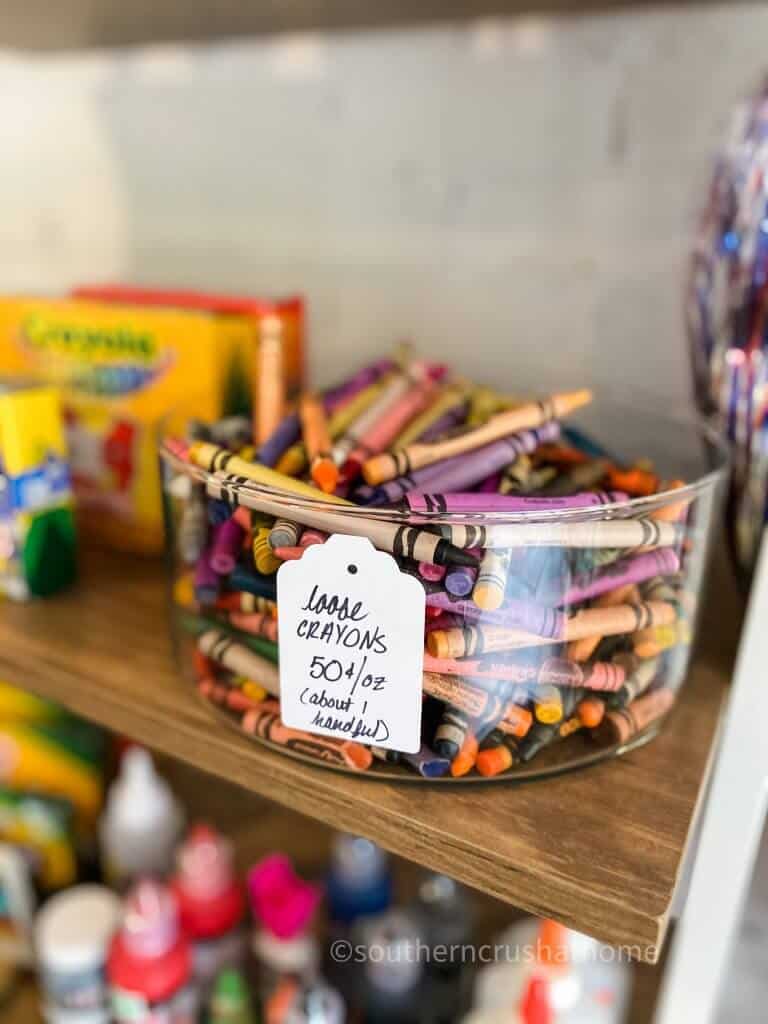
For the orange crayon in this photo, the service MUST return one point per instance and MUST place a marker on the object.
(465, 759)
(317, 443)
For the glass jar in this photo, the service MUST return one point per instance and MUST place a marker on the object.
(570, 648)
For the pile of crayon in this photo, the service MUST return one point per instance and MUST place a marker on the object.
(555, 604)
(726, 307)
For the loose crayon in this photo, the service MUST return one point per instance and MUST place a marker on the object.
(342, 394)
(193, 528)
(383, 433)
(539, 736)
(388, 756)
(464, 761)
(641, 672)
(636, 569)
(427, 763)
(258, 623)
(491, 584)
(473, 701)
(569, 726)
(548, 704)
(479, 639)
(317, 443)
(620, 725)
(637, 482)
(450, 733)
(445, 621)
(244, 601)
(292, 554)
(270, 379)
(523, 614)
(390, 394)
(597, 675)
(310, 537)
(225, 546)
(578, 478)
(614, 533)
(590, 711)
(476, 501)
(443, 427)
(653, 640)
(239, 659)
(490, 485)
(562, 454)
(494, 756)
(219, 460)
(406, 541)
(219, 512)
(460, 580)
(253, 690)
(226, 696)
(199, 624)
(431, 572)
(206, 580)
(583, 649)
(452, 400)
(264, 558)
(293, 461)
(285, 533)
(285, 434)
(266, 723)
(260, 586)
(389, 465)
(516, 720)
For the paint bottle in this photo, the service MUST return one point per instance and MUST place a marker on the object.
(211, 904)
(392, 980)
(72, 936)
(141, 824)
(447, 927)
(283, 907)
(359, 881)
(310, 1003)
(231, 1000)
(149, 968)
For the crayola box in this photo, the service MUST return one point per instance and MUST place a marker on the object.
(127, 374)
(37, 533)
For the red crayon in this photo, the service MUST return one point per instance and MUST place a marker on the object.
(264, 721)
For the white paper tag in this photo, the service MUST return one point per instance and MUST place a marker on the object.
(351, 630)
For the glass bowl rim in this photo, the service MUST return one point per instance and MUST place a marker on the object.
(628, 508)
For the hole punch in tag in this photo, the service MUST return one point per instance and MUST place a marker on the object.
(351, 635)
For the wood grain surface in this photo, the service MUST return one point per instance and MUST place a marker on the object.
(599, 850)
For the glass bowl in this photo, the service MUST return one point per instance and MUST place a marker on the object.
(574, 652)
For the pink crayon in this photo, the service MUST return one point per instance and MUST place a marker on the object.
(517, 614)
(433, 573)
(637, 569)
(227, 541)
(478, 501)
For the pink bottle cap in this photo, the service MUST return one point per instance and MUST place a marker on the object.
(282, 902)
(150, 921)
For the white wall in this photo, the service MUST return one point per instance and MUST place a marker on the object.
(515, 194)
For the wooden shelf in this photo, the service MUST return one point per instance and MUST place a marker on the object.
(599, 850)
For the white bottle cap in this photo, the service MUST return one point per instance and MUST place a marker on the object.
(74, 928)
(139, 797)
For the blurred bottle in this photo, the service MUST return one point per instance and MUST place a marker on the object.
(211, 904)
(359, 881)
(391, 977)
(231, 1000)
(141, 824)
(447, 925)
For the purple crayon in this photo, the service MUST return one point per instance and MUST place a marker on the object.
(353, 385)
(225, 547)
(206, 580)
(527, 615)
(463, 471)
(286, 433)
(450, 419)
(459, 580)
(490, 485)
(477, 501)
(637, 569)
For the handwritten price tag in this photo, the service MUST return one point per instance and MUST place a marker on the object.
(351, 629)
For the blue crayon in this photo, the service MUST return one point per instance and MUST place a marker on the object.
(427, 763)
(253, 582)
(218, 511)
(285, 434)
